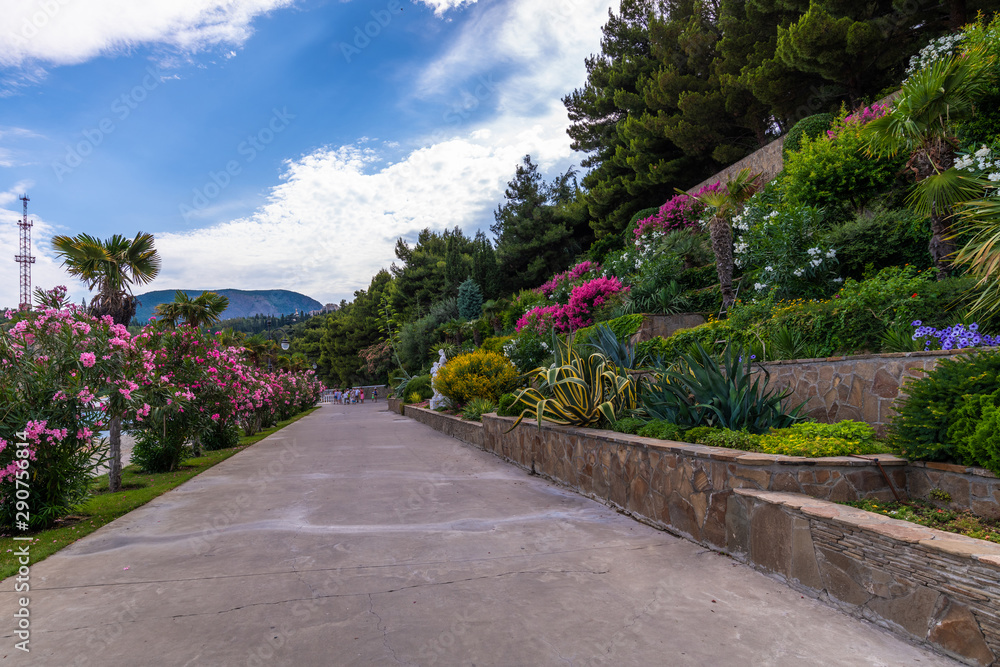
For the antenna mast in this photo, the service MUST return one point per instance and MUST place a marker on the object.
(24, 258)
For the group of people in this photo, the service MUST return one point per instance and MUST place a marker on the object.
(349, 396)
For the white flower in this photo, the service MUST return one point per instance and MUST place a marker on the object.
(798, 272)
(983, 152)
(838, 280)
(994, 177)
(759, 286)
(813, 251)
(817, 262)
(831, 253)
(769, 268)
(773, 214)
(740, 248)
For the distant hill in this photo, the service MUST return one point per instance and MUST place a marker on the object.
(242, 303)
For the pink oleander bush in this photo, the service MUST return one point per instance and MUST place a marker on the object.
(63, 374)
(583, 301)
(58, 368)
(682, 211)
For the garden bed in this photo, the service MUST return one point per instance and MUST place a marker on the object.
(932, 516)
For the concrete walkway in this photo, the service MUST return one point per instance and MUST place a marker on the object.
(358, 537)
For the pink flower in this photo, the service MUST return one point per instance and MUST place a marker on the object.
(88, 359)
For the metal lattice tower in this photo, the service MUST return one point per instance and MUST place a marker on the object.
(24, 258)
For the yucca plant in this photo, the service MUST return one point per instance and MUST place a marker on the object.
(578, 390)
(701, 391)
(477, 407)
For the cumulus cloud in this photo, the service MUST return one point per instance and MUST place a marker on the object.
(333, 221)
(63, 32)
(441, 6)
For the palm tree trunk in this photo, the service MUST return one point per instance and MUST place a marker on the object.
(941, 245)
(115, 462)
(722, 246)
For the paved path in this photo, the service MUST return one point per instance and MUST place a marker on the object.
(357, 537)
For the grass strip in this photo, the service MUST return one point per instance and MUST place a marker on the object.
(102, 508)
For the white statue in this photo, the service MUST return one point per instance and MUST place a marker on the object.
(438, 401)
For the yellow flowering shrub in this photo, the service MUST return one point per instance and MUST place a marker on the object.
(479, 374)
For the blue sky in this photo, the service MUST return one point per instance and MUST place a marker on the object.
(276, 144)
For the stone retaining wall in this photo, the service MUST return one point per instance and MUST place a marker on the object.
(466, 431)
(395, 405)
(934, 587)
(862, 387)
(665, 325)
(672, 485)
(973, 489)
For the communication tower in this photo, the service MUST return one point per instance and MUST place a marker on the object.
(24, 258)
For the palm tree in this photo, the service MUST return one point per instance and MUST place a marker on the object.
(982, 252)
(724, 204)
(110, 268)
(206, 308)
(923, 123)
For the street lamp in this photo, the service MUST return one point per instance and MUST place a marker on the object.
(284, 344)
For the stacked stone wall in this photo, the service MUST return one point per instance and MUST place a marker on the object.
(934, 587)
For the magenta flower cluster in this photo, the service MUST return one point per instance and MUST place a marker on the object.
(681, 211)
(859, 118)
(572, 275)
(576, 314)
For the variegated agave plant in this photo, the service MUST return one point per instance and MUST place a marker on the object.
(577, 390)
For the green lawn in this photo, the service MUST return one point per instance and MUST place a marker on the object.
(138, 489)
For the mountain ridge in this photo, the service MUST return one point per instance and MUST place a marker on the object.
(242, 303)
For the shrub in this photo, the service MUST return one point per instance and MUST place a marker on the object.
(420, 385)
(505, 406)
(813, 440)
(496, 343)
(781, 252)
(810, 126)
(159, 450)
(724, 437)
(630, 425)
(659, 428)
(476, 408)
(832, 172)
(602, 247)
(934, 404)
(479, 374)
(698, 434)
(415, 397)
(872, 241)
(223, 435)
(527, 351)
(982, 446)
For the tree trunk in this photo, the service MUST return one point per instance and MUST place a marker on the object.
(722, 246)
(956, 14)
(941, 246)
(115, 462)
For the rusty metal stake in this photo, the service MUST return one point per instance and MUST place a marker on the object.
(884, 476)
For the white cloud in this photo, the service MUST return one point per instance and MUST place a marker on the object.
(62, 32)
(441, 6)
(334, 220)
